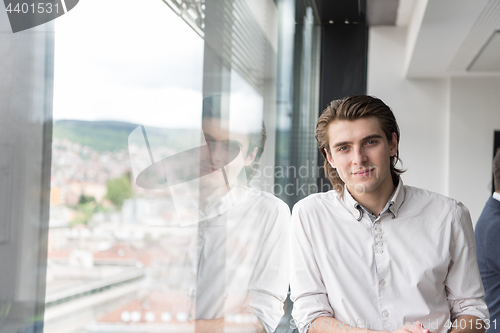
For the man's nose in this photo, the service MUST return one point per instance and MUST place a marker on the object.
(220, 154)
(359, 156)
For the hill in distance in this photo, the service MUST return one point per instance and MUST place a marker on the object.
(113, 135)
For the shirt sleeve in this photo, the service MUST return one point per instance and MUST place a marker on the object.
(269, 285)
(308, 291)
(463, 283)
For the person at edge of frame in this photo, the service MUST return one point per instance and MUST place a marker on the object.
(373, 254)
(488, 248)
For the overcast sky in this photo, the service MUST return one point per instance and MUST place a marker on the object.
(127, 60)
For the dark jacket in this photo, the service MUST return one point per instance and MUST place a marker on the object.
(487, 234)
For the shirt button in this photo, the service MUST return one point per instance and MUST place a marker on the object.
(378, 229)
(380, 244)
(379, 236)
(386, 313)
(380, 251)
(382, 282)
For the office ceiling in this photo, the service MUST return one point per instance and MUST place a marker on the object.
(445, 37)
(454, 38)
(371, 12)
(341, 11)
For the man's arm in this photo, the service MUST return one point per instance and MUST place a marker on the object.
(209, 325)
(468, 324)
(308, 291)
(332, 325)
(219, 326)
(268, 286)
(463, 283)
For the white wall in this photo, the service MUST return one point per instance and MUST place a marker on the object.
(446, 125)
(475, 115)
(420, 106)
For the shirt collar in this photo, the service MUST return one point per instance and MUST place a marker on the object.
(397, 198)
(351, 204)
(496, 195)
(224, 203)
(393, 205)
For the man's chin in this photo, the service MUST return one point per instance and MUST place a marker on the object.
(362, 186)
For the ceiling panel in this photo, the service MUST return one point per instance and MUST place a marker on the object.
(485, 25)
(488, 59)
(341, 11)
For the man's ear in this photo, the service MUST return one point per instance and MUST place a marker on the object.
(393, 145)
(330, 159)
(251, 156)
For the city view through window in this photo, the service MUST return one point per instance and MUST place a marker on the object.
(112, 259)
(133, 92)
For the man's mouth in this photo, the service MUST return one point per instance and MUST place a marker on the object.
(363, 173)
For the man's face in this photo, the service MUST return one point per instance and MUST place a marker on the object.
(224, 148)
(214, 132)
(360, 152)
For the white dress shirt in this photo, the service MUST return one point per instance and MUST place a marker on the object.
(242, 258)
(414, 262)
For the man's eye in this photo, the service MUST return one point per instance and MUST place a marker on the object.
(371, 142)
(235, 143)
(343, 148)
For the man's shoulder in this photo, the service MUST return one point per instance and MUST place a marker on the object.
(266, 200)
(439, 206)
(316, 200)
(491, 208)
(426, 197)
(489, 220)
(487, 232)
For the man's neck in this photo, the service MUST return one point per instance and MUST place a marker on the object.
(376, 200)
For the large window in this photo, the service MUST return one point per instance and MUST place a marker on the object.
(178, 133)
(139, 93)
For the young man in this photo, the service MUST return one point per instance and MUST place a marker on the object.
(488, 248)
(374, 254)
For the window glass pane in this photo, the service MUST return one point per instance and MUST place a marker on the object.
(114, 258)
(163, 214)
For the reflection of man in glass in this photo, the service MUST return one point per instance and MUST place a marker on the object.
(239, 276)
(242, 261)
